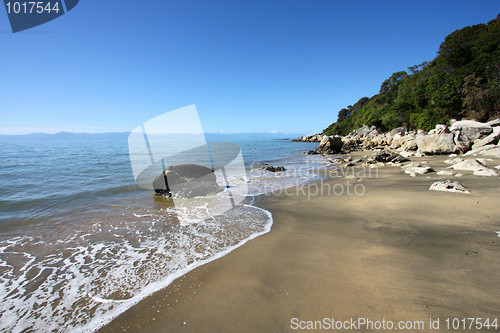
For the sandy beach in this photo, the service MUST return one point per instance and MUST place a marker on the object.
(398, 252)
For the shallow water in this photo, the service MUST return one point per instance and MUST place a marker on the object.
(81, 243)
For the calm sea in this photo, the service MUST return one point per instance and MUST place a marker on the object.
(80, 243)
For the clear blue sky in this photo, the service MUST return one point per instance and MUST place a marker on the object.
(249, 66)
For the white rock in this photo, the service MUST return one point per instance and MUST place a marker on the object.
(484, 161)
(453, 155)
(480, 149)
(454, 160)
(497, 167)
(470, 164)
(442, 143)
(490, 152)
(476, 167)
(407, 153)
(495, 122)
(418, 170)
(448, 186)
(459, 175)
(445, 173)
(486, 172)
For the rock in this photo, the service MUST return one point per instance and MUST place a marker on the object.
(476, 167)
(454, 160)
(486, 172)
(385, 156)
(416, 168)
(186, 181)
(330, 145)
(408, 143)
(497, 167)
(195, 189)
(494, 123)
(400, 130)
(437, 144)
(461, 141)
(480, 149)
(273, 168)
(311, 152)
(484, 161)
(473, 130)
(459, 175)
(448, 186)
(490, 152)
(470, 165)
(453, 155)
(493, 138)
(445, 173)
(439, 129)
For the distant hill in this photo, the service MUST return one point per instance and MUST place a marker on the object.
(124, 135)
(68, 135)
(463, 81)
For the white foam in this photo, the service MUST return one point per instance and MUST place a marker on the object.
(498, 233)
(82, 281)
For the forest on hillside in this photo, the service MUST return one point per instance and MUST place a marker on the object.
(463, 81)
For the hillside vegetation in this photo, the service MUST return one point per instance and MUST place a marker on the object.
(463, 81)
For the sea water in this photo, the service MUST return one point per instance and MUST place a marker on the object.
(80, 243)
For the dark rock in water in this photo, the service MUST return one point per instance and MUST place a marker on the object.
(311, 152)
(195, 188)
(273, 168)
(186, 181)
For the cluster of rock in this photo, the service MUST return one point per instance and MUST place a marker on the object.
(465, 136)
(472, 139)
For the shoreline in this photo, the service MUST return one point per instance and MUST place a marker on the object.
(399, 252)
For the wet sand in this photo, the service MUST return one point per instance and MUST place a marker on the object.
(398, 252)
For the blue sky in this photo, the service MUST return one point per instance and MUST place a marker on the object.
(249, 66)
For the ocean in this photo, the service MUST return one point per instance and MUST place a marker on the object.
(80, 243)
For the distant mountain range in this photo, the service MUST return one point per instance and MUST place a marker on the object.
(124, 135)
(67, 135)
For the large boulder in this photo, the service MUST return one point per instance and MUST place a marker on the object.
(433, 144)
(330, 145)
(493, 138)
(473, 130)
(186, 181)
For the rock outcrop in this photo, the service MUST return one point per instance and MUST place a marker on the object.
(330, 145)
(458, 138)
